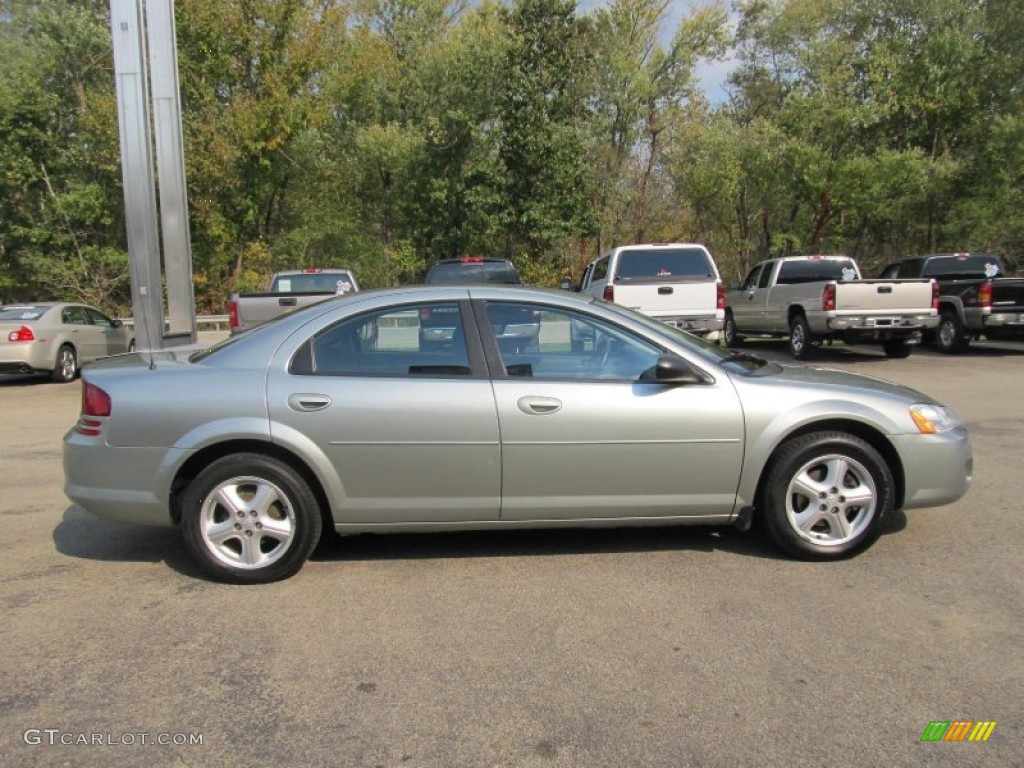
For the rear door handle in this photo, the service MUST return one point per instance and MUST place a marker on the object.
(308, 402)
(539, 406)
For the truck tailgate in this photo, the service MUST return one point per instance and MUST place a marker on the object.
(675, 299)
(884, 297)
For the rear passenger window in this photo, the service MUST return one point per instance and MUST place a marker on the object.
(417, 340)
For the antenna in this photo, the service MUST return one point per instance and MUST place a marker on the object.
(144, 295)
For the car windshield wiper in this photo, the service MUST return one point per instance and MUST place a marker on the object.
(746, 357)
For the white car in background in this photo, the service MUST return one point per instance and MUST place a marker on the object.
(56, 338)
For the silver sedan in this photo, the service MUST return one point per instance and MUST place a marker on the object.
(56, 338)
(337, 415)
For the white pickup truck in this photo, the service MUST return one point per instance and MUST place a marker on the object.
(677, 283)
(816, 298)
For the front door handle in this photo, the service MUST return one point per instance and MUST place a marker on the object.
(308, 402)
(539, 406)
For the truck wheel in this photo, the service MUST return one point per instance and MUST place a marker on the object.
(250, 519)
(729, 331)
(951, 335)
(897, 348)
(825, 496)
(801, 340)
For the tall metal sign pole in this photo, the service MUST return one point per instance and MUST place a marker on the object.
(132, 29)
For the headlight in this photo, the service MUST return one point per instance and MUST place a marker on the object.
(932, 419)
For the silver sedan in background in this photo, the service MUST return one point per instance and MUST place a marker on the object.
(339, 415)
(56, 338)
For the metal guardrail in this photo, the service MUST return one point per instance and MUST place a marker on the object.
(203, 322)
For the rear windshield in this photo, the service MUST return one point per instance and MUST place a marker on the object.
(664, 264)
(472, 273)
(981, 265)
(313, 282)
(813, 270)
(21, 312)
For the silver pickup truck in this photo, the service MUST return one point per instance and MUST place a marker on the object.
(677, 283)
(816, 298)
(287, 291)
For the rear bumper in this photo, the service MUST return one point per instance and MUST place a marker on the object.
(24, 357)
(121, 484)
(699, 326)
(883, 327)
(1009, 321)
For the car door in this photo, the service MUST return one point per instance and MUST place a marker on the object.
(743, 307)
(583, 436)
(115, 339)
(88, 339)
(407, 422)
(757, 297)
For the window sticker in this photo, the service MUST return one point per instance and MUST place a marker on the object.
(344, 286)
(284, 285)
(991, 269)
(849, 274)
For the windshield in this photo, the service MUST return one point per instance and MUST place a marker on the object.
(710, 351)
(21, 312)
(980, 266)
(472, 272)
(313, 282)
(814, 270)
(664, 263)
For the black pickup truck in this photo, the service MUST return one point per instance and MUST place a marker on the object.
(976, 297)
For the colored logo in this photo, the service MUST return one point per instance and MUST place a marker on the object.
(958, 730)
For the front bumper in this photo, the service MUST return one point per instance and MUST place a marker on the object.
(938, 469)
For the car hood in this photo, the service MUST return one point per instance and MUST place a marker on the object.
(821, 377)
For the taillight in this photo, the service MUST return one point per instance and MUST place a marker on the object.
(22, 334)
(935, 296)
(609, 293)
(985, 294)
(721, 296)
(95, 402)
(828, 298)
(233, 313)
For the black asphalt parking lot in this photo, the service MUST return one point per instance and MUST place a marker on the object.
(651, 647)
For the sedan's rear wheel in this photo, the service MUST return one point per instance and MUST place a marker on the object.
(250, 519)
(825, 496)
(66, 366)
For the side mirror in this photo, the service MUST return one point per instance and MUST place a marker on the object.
(672, 369)
(116, 323)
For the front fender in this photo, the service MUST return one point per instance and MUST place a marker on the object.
(765, 438)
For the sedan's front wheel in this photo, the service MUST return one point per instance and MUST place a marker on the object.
(825, 496)
(250, 519)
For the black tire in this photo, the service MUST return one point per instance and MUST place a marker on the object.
(802, 344)
(951, 336)
(66, 367)
(897, 348)
(827, 523)
(131, 345)
(730, 333)
(229, 536)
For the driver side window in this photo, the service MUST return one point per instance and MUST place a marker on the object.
(546, 343)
